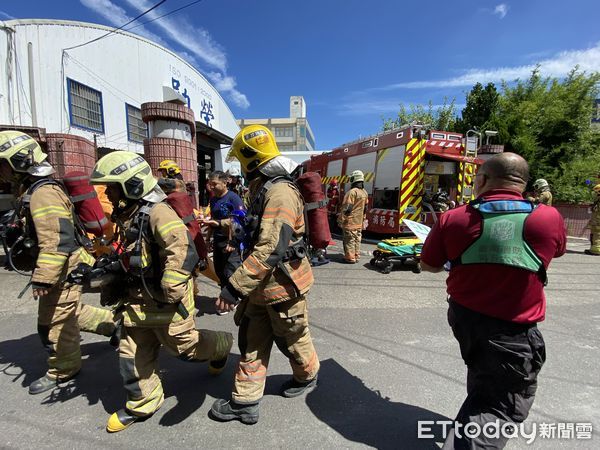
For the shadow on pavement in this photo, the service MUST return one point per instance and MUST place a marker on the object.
(363, 415)
(24, 360)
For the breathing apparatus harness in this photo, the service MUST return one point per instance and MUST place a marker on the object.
(137, 232)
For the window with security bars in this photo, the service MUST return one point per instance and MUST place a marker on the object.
(85, 106)
(137, 130)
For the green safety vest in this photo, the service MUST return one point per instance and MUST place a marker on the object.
(502, 239)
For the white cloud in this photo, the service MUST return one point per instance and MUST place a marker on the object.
(6, 16)
(501, 10)
(200, 45)
(557, 66)
(196, 41)
(117, 16)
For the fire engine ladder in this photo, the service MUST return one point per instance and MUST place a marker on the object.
(466, 174)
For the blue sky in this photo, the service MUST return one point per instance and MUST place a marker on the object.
(353, 61)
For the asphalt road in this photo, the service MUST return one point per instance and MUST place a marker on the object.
(388, 360)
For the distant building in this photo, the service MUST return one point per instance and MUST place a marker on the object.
(293, 134)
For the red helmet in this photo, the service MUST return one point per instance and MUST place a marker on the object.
(333, 183)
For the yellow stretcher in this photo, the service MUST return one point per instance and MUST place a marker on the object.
(397, 250)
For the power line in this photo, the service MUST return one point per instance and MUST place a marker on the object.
(119, 28)
(164, 15)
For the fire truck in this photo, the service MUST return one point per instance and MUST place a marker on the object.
(405, 168)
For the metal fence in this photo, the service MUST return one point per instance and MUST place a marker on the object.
(576, 218)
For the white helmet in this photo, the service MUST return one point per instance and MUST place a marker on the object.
(540, 184)
(356, 176)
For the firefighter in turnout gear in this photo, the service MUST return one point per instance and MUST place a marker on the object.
(171, 179)
(542, 193)
(352, 216)
(158, 306)
(270, 288)
(46, 216)
(595, 224)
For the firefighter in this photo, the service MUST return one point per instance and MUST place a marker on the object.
(158, 306)
(171, 179)
(595, 224)
(542, 193)
(271, 286)
(333, 194)
(49, 223)
(352, 216)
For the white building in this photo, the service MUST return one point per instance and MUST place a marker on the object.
(51, 80)
(293, 134)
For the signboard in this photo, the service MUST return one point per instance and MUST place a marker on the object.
(421, 231)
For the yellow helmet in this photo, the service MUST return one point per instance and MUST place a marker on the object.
(596, 188)
(129, 170)
(253, 146)
(170, 167)
(20, 150)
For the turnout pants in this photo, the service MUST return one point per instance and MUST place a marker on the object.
(284, 323)
(61, 316)
(352, 244)
(225, 262)
(138, 358)
(503, 360)
(595, 240)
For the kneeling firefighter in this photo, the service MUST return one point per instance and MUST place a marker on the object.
(48, 226)
(158, 258)
(271, 285)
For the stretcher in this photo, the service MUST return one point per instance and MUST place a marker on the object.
(397, 251)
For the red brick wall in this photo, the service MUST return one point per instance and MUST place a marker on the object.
(68, 152)
(184, 153)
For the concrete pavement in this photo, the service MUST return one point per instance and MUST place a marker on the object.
(388, 360)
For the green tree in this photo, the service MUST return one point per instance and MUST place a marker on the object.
(480, 109)
(442, 117)
(547, 121)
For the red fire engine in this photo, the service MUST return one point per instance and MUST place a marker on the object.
(405, 169)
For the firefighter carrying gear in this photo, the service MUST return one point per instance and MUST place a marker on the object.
(49, 222)
(542, 193)
(253, 148)
(595, 224)
(350, 220)
(169, 167)
(272, 281)
(160, 280)
(21, 151)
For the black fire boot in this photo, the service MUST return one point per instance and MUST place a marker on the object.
(293, 388)
(45, 384)
(226, 410)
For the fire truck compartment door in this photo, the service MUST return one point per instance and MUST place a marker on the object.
(366, 163)
(389, 167)
(334, 168)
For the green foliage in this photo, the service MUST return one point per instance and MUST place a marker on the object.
(547, 121)
(480, 109)
(442, 117)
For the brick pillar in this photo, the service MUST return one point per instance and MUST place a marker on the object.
(172, 136)
(67, 152)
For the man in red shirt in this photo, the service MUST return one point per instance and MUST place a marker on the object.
(499, 247)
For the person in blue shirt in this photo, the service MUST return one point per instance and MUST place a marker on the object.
(226, 252)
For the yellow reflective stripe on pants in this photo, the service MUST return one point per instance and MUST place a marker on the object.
(147, 405)
(51, 259)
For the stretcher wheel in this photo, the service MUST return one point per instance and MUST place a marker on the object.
(373, 261)
(417, 268)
